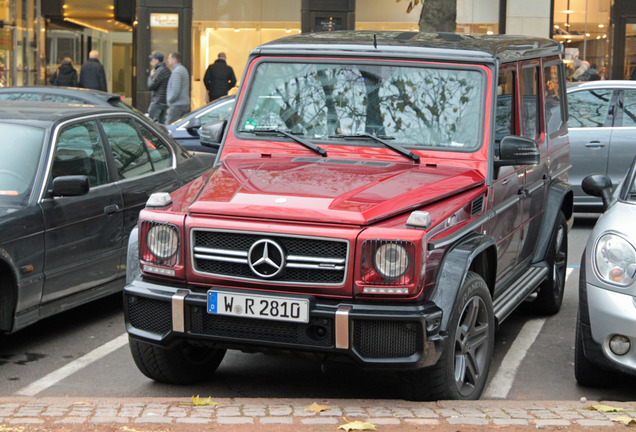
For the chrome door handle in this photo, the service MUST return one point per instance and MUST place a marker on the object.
(110, 209)
(594, 144)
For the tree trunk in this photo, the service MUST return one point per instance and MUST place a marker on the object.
(438, 16)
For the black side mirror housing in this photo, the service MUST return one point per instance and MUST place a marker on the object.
(194, 123)
(73, 185)
(516, 150)
(598, 185)
(211, 134)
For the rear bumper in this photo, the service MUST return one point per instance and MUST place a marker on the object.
(383, 336)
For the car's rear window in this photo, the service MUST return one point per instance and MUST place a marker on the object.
(421, 105)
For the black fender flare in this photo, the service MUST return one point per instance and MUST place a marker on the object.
(559, 197)
(454, 268)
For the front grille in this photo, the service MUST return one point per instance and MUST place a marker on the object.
(303, 260)
(149, 314)
(385, 339)
(257, 330)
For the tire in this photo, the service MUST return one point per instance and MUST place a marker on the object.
(181, 364)
(587, 373)
(462, 370)
(550, 295)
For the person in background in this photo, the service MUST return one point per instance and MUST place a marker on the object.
(92, 75)
(219, 78)
(158, 85)
(178, 92)
(580, 68)
(65, 75)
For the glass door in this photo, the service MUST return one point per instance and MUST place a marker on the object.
(629, 68)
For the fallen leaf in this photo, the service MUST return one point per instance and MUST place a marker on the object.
(357, 425)
(197, 401)
(317, 408)
(627, 421)
(604, 408)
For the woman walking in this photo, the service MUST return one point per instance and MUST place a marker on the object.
(65, 75)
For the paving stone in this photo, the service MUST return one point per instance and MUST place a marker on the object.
(108, 419)
(235, 420)
(193, 420)
(280, 410)
(26, 420)
(331, 412)
(228, 412)
(403, 413)
(384, 421)
(509, 422)
(596, 423)
(422, 421)
(276, 420)
(467, 421)
(470, 412)
(153, 419)
(551, 422)
(9, 405)
(447, 412)
(425, 413)
(318, 421)
(254, 412)
(71, 420)
(300, 412)
(178, 414)
(53, 414)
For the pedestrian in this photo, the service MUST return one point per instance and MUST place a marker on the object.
(580, 69)
(219, 78)
(158, 85)
(65, 75)
(178, 93)
(92, 75)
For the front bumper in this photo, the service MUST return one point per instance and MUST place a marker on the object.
(385, 336)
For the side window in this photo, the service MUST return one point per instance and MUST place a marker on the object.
(529, 79)
(588, 108)
(222, 112)
(129, 150)
(504, 121)
(20, 96)
(629, 108)
(79, 151)
(553, 102)
(62, 99)
(160, 154)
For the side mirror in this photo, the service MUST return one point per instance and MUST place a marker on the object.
(194, 123)
(73, 185)
(598, 185)
(211, 134)
(516, 150)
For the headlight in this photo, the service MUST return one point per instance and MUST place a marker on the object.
(615, 260)
(391, 260)
(163, 241)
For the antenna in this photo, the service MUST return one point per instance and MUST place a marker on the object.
(375, 42)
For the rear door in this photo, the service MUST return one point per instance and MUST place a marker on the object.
(83, 234)
(590, 127)
(622, 148)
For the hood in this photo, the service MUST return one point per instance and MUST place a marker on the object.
(342, 191)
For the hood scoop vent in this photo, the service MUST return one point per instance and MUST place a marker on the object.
(343, 162)
(476, 206)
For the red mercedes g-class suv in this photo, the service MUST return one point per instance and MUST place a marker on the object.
(380, 198)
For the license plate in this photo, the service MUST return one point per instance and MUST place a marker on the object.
(258, 306)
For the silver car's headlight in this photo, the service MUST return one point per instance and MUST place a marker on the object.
(163, 241)
(615, 260)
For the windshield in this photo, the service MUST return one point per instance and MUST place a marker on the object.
(20, 148)
(424, 106)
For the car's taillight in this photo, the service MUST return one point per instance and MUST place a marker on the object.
(160, 245)
(387, 264)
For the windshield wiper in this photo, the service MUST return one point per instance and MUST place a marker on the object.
(321, 151)
(382, 140)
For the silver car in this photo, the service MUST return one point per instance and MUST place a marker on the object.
(606, 320)
(602, 128)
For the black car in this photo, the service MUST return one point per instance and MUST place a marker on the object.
(72, 182)
(186, 130)
(70, 95)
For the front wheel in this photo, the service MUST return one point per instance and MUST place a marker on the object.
(462, 370)
(182, 363)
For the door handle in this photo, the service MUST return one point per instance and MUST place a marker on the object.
(110, 209)
(594, 144)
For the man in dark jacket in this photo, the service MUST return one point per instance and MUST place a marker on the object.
(219, 78)
(92, 75)
(158, 84)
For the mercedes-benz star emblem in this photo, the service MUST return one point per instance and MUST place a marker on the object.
(266, 258)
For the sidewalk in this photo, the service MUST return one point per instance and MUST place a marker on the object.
(157, 414)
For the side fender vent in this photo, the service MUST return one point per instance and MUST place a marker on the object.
(476, 206)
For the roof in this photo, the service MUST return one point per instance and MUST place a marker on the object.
(444, 46)
(602, 84)
(68, 91)
(48, 112)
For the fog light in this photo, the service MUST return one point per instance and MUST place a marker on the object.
(619, 345)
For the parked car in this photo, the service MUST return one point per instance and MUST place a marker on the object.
(186, 130)
(602, 128)
(72, 182)
(70, 95)
(606, 324)
(379, 199)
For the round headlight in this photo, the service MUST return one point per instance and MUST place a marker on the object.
(391, 260)
(615, 260)
(163, 241)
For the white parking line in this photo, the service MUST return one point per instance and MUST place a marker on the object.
(502, 382)
(72, 367)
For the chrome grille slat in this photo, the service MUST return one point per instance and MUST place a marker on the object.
(308, 260)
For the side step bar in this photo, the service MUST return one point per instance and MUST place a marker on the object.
(516, 293)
